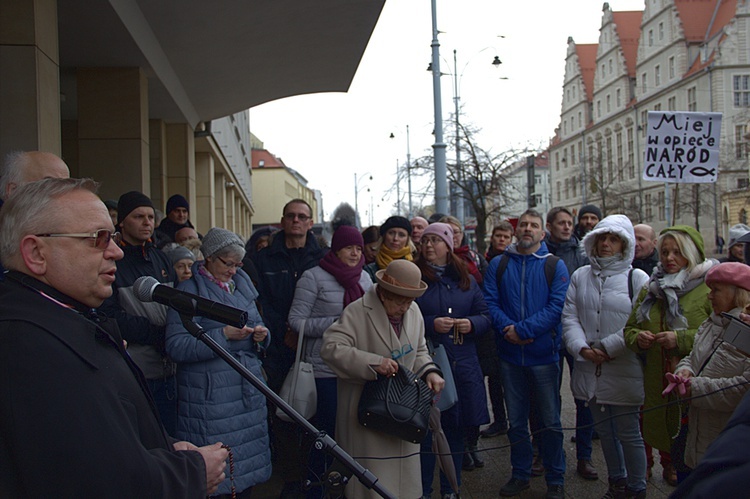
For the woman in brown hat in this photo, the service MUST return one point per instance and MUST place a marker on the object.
(375, 335)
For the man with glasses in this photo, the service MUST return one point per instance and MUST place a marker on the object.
(143, 325)
(293, 250)
(76, 418)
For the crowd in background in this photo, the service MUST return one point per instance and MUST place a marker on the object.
(638, 318)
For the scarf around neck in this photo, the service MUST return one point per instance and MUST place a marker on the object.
(345, 275)
(386, 255)
(670, 288)
(465, 254)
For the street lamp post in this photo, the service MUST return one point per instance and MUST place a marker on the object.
(356, 195)
(441, 171)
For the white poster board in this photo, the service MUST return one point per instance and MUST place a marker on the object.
(682, 147)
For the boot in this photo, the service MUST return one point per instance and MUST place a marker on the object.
(616, 489)
(472, 451)
(468, 462)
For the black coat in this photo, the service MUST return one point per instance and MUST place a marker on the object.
(76, 419)
(647, 264)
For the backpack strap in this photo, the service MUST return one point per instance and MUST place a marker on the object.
(504, 258)
(630, 284)
(550, 268)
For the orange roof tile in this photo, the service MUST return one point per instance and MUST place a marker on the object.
(269, 160)
(587, 62)
(702, 19)
(628, 26)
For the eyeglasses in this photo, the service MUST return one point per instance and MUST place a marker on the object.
(101, 237)
(400, 352)
(230, 265)
(401, 301)
(432, 240)
(299, 216)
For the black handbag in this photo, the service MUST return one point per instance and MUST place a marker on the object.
(398, 405)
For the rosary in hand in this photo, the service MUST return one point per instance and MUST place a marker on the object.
(231, 470)
(458, 338)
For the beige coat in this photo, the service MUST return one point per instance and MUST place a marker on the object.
(351, 347)
(723, 369)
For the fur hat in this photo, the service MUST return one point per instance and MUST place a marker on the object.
(130, 201)
(443, 231)
(403, 278)
(217, 239)
(734, 273)
(346, 235)
(395, 222)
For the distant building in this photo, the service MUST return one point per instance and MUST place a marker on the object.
(675, 55)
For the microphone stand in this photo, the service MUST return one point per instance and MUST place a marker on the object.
(336, 477)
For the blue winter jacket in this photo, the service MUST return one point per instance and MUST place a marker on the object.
(216, 403)
(525, 300)
(440, 297)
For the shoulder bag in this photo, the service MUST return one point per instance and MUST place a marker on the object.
(299, 389)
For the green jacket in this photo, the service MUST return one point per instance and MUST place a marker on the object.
(661, 425)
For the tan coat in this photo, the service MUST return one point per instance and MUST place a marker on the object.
(351, 346)
(724, 368)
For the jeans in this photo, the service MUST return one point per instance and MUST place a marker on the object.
(164, 391)
(455, 437)
(622, 443)
(518, 382)
(584, 420)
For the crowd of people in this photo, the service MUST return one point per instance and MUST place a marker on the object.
(106, 394)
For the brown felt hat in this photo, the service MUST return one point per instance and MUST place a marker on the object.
(403, 278)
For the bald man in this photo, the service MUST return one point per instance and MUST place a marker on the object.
(22, 167)
(646, 256)
(418, 225)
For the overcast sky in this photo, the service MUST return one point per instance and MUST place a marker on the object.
(329, 138)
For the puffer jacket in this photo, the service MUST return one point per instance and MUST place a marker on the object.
(524, 299)
(216, 403)
(597, 307)
(724, 367)
(444, 298)
(318, 303)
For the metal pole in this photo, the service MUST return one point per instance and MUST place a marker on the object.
(441, 185)
(459, 196)
(356, 205)
(408, 169)
(398, 191)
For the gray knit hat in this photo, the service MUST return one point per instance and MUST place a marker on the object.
(179, 253)
(217, 239)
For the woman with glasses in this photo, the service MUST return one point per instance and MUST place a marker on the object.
(375, 335)
(394, 244)
(475, 263)
(321, 295)
(455, 314)
(216, 404)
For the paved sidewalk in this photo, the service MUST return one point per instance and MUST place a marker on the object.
(484, 483)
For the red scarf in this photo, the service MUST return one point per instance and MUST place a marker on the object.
(345, 275)
(464, 253)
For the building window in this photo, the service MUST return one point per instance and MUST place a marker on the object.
(610, 166)
(558, 192)
(565, 127)
(648, 208)
(573, 186)
(657, 107)
(611, 67)
(671, 68)
(741, 90)
(618, 98)
(567, 188)
(580, 120)
(644, 122)
(743, 216)
(672, 104)
(557, 161)
(740, 147)
(631, 153)
(650, 38)
(660, 205)
(598, 109)
(692, 99)
(644, 81)
(661, 31)
(609, 104)
(743, 183)
(657, 76)
(620, 169)
(573, 154)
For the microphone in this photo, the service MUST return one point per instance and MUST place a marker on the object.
(148, 289)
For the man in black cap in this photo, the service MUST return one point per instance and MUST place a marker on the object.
(143, 325)
(588, 216)
(178, 217)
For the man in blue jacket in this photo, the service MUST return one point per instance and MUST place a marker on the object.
(526, 312)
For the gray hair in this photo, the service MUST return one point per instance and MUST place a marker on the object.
(11, 171)
(235, 250)
(28, 212)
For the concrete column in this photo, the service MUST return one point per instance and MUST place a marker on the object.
(157, 136)
(203, 215)
(29, 77)
(220, 200)
(231, 209)
(113, 129)
(181, 161)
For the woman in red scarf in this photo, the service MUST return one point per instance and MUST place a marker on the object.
(477, 265)
(321, 295)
